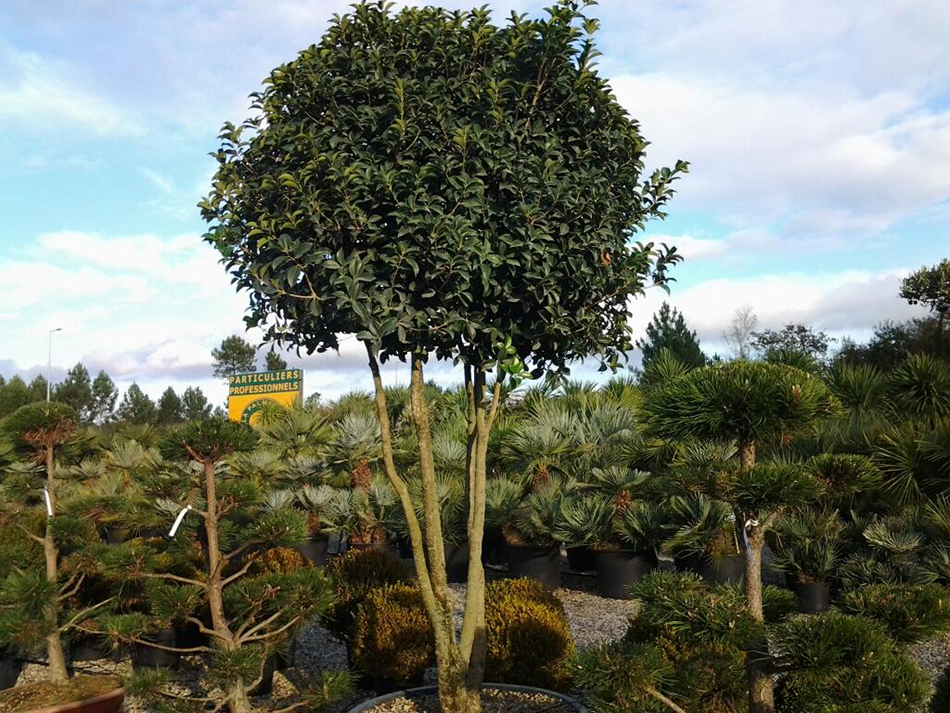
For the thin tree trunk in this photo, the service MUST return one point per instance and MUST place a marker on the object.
(761, 698)
(55, 656)
(238, 700)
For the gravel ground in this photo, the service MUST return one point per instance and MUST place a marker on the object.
(492, 702)
(593, 620)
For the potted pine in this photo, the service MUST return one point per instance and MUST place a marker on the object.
(41, 602)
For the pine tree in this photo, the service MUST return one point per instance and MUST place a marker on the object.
(104, 396)
(668, 330)
(170, 408)
(137, 407)
(76, 392)
(234, 356)
(37, 389)
(13, 395)
(274, 361)
(194, 404)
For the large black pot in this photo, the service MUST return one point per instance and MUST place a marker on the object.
(494, 548)
(87, 648)
(144, 656)
(581, 559)
(813, 598)
(315, 550)
(456, 562)
(566, 703)
(10, 667)
(189, 636)
(724, 570)
(266, 684)
(617, 570)
(355, 546)
(542, 563)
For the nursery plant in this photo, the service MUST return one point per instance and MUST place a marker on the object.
(254, 601)
(437, 186)
(806, 545)
(752, 404)
(46, 551)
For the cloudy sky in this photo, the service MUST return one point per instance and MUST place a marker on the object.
(818, 134)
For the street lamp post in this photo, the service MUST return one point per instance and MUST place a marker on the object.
(49, 361)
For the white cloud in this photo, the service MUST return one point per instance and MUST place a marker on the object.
(39, 94)
(820, 159)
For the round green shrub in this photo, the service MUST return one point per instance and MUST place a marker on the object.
(529, 640)
(908, 612)
(392, 638)
(355, 575)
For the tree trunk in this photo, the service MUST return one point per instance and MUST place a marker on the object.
(54, 644)
(753, 541)
(239, 701)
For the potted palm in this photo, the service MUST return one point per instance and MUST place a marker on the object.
(533, 548)
(702, 538)
(360, 516)
(806, 547)
(314, 500)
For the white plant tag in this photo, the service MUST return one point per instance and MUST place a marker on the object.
(49, 504)
(181, 516)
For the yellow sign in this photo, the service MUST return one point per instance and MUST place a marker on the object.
(247, 393)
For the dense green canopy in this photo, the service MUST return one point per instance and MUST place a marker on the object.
(435, 183)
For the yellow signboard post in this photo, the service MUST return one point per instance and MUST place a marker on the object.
(248, 392)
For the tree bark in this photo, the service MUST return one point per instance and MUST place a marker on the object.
(238, 700)
(55, 656)
(761, 697)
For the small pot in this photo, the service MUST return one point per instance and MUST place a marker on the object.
(315, 550)
(617, 570)
(565, 705)
(813, 597)
(144, 656)
(10, 667)
(110, 702)
(581, 559)
(725, 570)
(542, 563)
(456, 562)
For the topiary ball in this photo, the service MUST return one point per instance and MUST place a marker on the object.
(392, 638)
(355, 575)
(529, 640)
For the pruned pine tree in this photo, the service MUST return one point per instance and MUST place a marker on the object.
(224, 507)
(751, 404)
(46, 570)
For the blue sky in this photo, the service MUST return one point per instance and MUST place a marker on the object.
(818, 133)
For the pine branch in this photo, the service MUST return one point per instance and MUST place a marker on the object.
(174, 578)
(650, 690)
(270, 634)
(84, 613)
(63, 594)
(237, 575)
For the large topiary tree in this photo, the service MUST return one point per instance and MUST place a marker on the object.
(747, 403)
(442, 187)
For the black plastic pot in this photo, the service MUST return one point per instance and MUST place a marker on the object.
(188, 636)
(266, 685)
(494, 548)
(87, 648)
(617, 570)
(581, 559)
(10, 667)
(689, 563)
(542, 563)
(144, 656)
(352, 546)
(813, 598)
(315, 550)
(283, 661)
(566, 703)
(724, 570)
(404, 548)
(456, 562)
